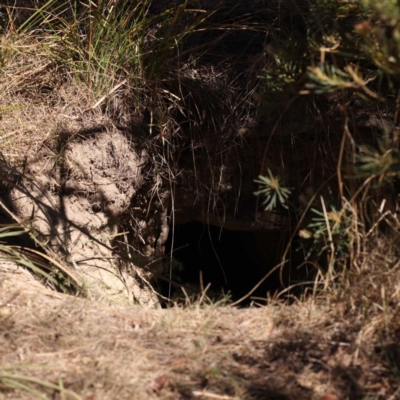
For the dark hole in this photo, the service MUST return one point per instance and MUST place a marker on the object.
(232, 261)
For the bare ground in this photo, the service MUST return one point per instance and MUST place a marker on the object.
(86, 350)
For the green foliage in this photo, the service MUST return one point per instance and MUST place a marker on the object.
(343, 58)
(284, 69)
(373, 36)
(381, 39)
(339, 44)
(172, 31)
(273, 190)
(329, 229)
(98, 43)
(102, 42)
(377, 162)
(328, 79)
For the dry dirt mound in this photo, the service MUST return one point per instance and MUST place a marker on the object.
(77, 201)
(68, 348)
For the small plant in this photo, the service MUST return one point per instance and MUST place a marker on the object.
(329, 230)
(380, 163)
(273, 190)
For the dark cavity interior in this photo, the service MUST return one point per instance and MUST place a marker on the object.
(232, 261)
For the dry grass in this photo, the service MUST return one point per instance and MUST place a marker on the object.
(39, 101)
(343, 345)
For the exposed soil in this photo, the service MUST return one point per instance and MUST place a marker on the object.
(76, 202)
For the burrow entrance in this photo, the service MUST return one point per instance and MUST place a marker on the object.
(231, 261)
